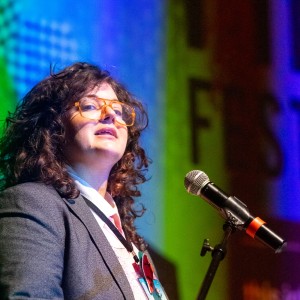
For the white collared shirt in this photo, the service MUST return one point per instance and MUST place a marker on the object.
(124, 257)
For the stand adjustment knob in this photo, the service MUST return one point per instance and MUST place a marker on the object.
(206, 247)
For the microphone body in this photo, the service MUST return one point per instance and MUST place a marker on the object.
(232, 209)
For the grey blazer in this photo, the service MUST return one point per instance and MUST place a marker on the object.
(53, 248)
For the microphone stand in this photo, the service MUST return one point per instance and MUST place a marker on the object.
(218, 254)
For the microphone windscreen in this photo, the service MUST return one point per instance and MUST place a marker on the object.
(194, 181)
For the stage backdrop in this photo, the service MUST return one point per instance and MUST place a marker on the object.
(232, 109)
(222, 87)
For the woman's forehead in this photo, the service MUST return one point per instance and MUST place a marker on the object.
(104, 90)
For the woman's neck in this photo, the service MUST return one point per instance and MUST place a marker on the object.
(95, 177)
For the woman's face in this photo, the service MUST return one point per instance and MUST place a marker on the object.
(93, 142)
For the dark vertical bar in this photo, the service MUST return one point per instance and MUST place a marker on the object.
(195, 16)
(295, 34)
(198, 122)
(262, 25)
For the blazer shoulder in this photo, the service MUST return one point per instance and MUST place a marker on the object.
(30, 194)
(32, 188)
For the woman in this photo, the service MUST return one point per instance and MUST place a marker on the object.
(69, 155)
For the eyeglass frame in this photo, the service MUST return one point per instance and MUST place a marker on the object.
(111, 101)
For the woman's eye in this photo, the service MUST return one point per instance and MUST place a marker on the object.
(118, 112)
(117, 109)
(86, 107)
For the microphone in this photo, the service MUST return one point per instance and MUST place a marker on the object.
(231, 208)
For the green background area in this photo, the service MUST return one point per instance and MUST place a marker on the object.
(189, 219)
(7, 94)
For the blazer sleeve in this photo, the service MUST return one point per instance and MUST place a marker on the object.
(31, 243)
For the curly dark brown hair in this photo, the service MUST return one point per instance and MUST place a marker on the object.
(32, 142)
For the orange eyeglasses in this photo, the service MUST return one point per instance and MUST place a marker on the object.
(94, 108)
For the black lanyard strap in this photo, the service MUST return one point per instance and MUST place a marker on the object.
(113, 228)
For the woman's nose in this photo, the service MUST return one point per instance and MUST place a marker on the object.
(107, 113)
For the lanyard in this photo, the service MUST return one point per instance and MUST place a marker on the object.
(152, 284)
(109, 223)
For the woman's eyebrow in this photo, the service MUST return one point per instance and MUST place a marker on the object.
(95, 96)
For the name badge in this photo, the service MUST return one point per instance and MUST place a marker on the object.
(149, 281)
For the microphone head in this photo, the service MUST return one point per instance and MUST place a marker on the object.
(194, 181)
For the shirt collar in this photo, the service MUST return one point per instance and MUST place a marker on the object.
(91, 194)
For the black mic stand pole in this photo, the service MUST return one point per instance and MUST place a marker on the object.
(218, 254)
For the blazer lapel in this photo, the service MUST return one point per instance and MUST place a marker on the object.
(83, 212)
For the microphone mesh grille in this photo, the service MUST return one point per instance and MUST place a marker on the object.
(194, 181)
